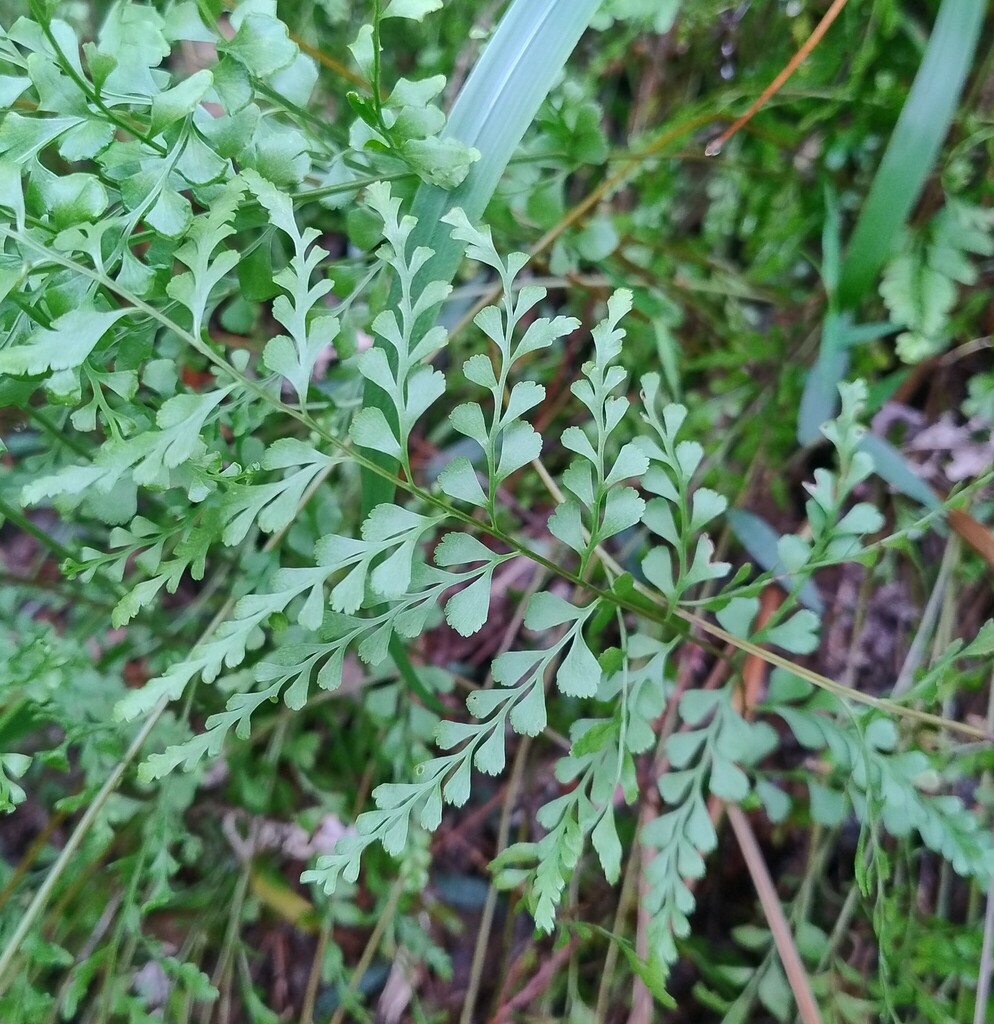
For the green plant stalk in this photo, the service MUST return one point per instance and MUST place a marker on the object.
(23, 523)
(492, 112)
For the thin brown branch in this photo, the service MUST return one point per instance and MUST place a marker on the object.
(797, 976)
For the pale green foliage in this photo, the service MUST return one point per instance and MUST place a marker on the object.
(294, 354)
(411, 386)
(48, 678)
(414, 9)
(272, 506)
(71, 339)
(658, 15)
(881, 782)
(406, 124)
(508, 441)
(706, 758)
(836, 534)
(676, 516)
(12, 767)
(600, 760)
(920, 285)
(187, 207)
(598, 508)
(193, 288)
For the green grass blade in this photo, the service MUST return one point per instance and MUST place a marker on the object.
(910, 155)
(890, 465)
(494, 108)
(499, 101)
(821, 389)
(914, 146)
(760, 541)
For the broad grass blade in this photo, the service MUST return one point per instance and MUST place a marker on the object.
(893, 467)
(495, 107)
(907, 162)
(913, 147)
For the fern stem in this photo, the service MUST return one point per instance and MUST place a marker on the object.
(22, 522)
(654, 607)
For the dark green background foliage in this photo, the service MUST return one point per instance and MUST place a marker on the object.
(436, 498)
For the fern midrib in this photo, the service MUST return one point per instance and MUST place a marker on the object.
(659, 612)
